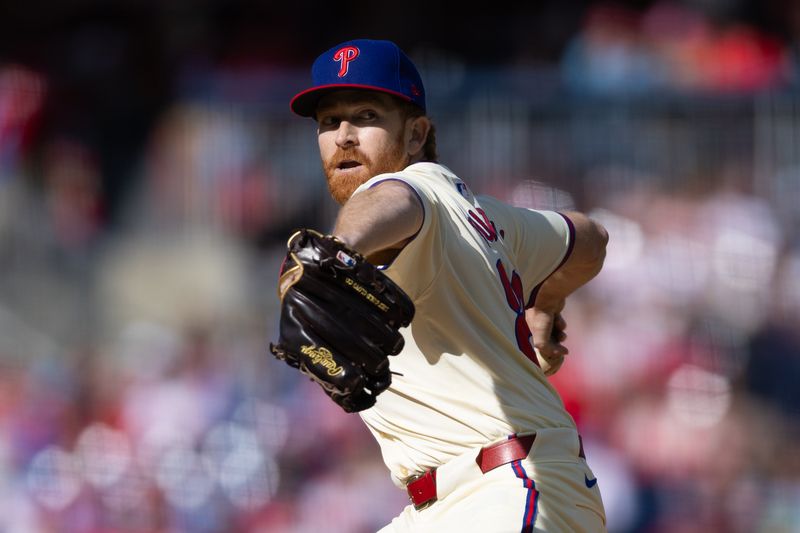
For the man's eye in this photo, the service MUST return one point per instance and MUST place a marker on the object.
(368, 115)
(328, 121)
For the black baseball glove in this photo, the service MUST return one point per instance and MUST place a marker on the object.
(339, 319)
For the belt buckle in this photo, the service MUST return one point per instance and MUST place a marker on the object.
(427, 503)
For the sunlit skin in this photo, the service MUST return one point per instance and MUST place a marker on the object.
(363, 134)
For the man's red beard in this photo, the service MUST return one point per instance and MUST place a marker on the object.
(342, 185)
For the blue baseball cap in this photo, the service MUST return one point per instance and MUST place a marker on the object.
(362, 64)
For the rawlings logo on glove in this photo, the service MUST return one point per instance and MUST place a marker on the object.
(322, 357)
(340, 318)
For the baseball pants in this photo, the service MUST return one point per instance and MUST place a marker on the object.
(552, 490)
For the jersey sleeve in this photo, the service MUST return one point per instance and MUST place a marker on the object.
(541, 241)
(417, 265)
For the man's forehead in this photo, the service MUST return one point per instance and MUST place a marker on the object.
(349, 97)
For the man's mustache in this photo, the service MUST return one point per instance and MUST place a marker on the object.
(348, 155)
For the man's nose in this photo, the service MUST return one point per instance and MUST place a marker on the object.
(347, 134)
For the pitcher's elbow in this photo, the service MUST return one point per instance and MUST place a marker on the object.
(600, 241)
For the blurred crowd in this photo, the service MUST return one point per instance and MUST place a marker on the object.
(672, 47)
(137, 393)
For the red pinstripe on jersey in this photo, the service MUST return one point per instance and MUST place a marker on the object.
(531, 500)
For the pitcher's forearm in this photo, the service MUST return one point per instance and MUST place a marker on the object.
(561, 284)
(385, 216)
(584, 263)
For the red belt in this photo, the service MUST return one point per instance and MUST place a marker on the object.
(422, 488)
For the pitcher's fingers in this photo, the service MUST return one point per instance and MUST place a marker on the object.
(559, 322)
(541, 327)
(551, 367)
(551, 350)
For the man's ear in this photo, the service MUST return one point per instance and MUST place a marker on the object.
(417, 129)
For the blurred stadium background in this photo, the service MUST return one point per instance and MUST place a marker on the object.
(150, 171)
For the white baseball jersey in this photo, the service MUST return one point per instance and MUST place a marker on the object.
(468, 374)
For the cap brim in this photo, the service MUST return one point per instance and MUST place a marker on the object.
(305, 103)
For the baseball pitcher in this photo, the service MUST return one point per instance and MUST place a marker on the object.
(436, 313)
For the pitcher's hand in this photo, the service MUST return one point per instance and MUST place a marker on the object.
(547, 331)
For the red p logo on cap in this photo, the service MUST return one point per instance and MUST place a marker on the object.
(344, 56)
